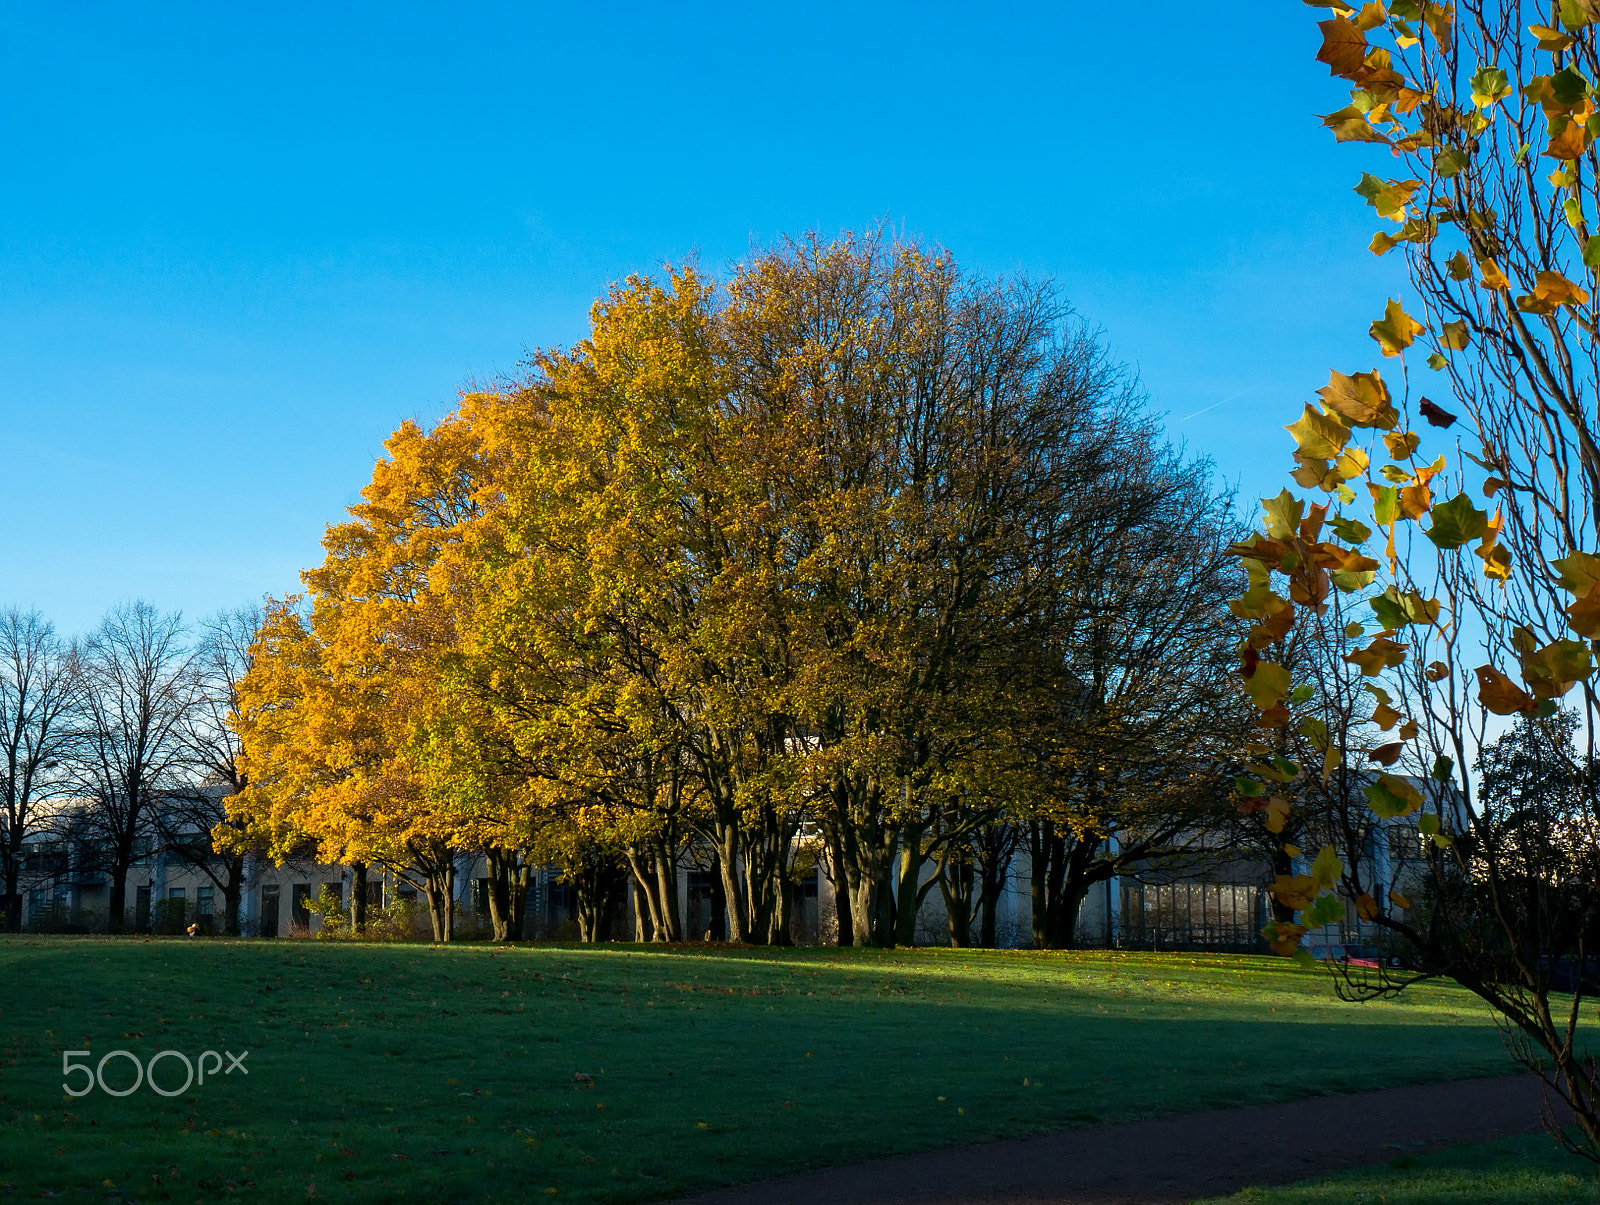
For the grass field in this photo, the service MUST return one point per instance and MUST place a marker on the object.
(383, 1072)
(1526, 1170)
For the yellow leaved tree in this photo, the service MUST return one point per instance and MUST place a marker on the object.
(1434, 575)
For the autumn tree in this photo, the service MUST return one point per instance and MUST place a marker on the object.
(1477, 612)
(338, 709)
(40, 684)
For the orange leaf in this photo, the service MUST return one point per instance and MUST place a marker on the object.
(1500, 694)
(1344, 47)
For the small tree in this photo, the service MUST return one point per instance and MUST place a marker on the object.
(138, 695)
(40, 685)
(1473, 616)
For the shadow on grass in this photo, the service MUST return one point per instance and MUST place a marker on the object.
(627, 1073)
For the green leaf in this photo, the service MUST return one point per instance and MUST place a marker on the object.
(1575, 14)
(1436, 361)
(1249, 787)
(1387, 608)
(1428, 824)
(1443, 768)
(1348, 581)
(1448, 162)
(1391, 796)
(1324, 910)
(1591, 251)
(1568, 87)
(1385, 504)
(1350, 530)
(1488, 86)
(1456, 522)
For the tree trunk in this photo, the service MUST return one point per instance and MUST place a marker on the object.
(728, 868)
(988, 912)
(504, 870)
(119, 892)
(955, 885)
(233, 896)
(666, 869)
(841, 890)
(1039, 848)
(12, 903)
(358, 901)
(907, 897)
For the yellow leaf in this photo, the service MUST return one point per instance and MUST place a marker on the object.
(1493, 277)
(1350, 124)
(1327, 868)
(1385, 717)
(1277, 814)
(1268, 685)
(1319, 435)
(1361, 399)
(1378, 656)
(1550, 39)
(1396, 330)
(1583, 615)
(1399, 901)
(1401, 444)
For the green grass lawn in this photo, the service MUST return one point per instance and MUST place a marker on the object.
(1527, 1170)
(448, 1074)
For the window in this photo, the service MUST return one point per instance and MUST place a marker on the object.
(300, 912)
(141, 907)
(176, 893)
(203, 898)
(1405, 844)
(269, 911)
(336, 892)
(374, 893)
(480, 896)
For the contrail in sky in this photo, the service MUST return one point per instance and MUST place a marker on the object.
(1223, 402)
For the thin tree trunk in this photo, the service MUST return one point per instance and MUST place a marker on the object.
(667, 894)
(358, 901)
(841, 890)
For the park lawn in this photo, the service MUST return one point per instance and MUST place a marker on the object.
(383, 1072)
(1526, 1170)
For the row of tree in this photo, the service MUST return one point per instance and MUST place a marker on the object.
(854, 558)
(118, 741)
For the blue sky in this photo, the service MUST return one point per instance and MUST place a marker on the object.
(238, 245)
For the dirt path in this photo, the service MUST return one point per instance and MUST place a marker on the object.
(1174, 1159)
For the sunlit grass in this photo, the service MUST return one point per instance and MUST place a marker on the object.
(1526, 1170)
(379, 1072)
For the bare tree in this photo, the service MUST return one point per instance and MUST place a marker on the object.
(39, 684)
(138, 697)
(190, 815)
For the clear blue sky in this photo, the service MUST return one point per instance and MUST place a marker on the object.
(237, 247)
